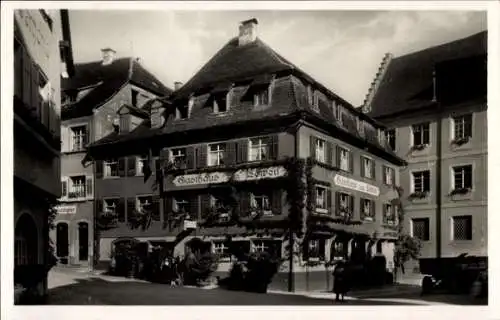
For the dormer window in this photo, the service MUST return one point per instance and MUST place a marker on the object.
(184, 111)
(220, 103)
(315, 104)
(339, 111)
(261, 97)
(309, 95)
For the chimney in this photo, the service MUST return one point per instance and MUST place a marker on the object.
(177, 85)
(108, 55)
(248, 31)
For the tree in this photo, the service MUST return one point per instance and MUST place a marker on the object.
(406, 247)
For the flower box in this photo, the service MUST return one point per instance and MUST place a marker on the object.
(418, 195)
(189, 225)
(460, 191)
(418, 147)
(460, 141)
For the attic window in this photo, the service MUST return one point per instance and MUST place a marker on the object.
(339, 111)
(184, 111)
(261, 97)
(135, 93)
(220, 103)
(309, 95)
(315, 104)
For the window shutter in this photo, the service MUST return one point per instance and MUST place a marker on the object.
(426, 134)
(362, 167)
(99, 204)
(374, 171)
(86, 136)
(230, 153)
(337, 203)
(273, 148)
(164, 155)
(205, 205)
(337, 153)
(351, 204)
(122, 162)
(130, 208)
(190, 157)
(242, 151)
(35, 100)
(277, 201)
(393, 174)
(468, 178)
(89, 185)
(131, 166)
(64, 187)
(329, 201)
(98, 169)
(312, 147)
(427, 182)
(351, 161)
(329, 153)
(167, 207)
(120, 209)
(244, 203)
(313, 198)
(373, 212)
(27, 78)
(193, 207)
(361, 209)
(64, 139)
(155, 207)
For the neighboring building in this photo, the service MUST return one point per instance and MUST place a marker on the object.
(42, 54)
(242, 117)
(91, 100)
(434, 102)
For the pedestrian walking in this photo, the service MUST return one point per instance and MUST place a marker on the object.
(340, 281)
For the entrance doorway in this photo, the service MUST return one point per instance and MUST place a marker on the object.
(25, 241)
(62, 242)
(83, 241)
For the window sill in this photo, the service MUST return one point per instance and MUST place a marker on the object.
(111, 177)
(460, 241)
(321, 211)
(369, 219)
(80, 199)
(462, 197)
(420, 152)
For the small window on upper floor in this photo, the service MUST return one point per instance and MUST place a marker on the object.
(315, 103)
(135, 94)
(184, 111)
(309, 95)
(261, 97)
(79, 137)
(462, 127)
(339, 111)
(390, 138)
(421, 134)
(220, 103)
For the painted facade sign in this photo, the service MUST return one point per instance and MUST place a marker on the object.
(356, 185)
(260, 173)
(200, 178)
(222, 177)
(65, 209)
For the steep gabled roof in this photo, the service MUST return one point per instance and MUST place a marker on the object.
(408, 82)
(107, 81)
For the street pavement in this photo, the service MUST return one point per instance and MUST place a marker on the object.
(70, 287)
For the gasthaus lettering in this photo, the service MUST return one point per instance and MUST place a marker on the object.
(260, 173)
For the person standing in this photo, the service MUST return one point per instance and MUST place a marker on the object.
(340, 281)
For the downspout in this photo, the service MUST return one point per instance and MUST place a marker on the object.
(439, 147)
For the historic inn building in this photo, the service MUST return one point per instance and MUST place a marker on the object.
(42, 55)
(91, 102)
(251, 146)
(434, 104)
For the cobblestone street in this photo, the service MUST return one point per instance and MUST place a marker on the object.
(69, 287)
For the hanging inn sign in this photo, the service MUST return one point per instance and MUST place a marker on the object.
(250, 174)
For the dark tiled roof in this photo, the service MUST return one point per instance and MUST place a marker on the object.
(408, 84)
(113, 77)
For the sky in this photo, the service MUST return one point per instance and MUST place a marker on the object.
(341, 49)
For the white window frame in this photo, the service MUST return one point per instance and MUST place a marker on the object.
(262, 198)
(387, 136)
(413, 178)
(368, 214)
(461, 118)
(259, 246)
(388, 175)
(453, 172)
(189, 108)
(81, 137)
(107, 170)
(140, 162)
(370, 162)
(178, 203)
(348, 157)
(139, 206)
(176, 154)
(321, 207)
(315, 101)
(262, 142)
(72, 186)
(412, 227)
(314, 245)
(219, 153)
(452, 227)
(320, 150)
(393, 212)
(106, 205)
(339, 111)
(216, 104)
(345, 201)
(220, 248)
(260, 93)
(422, 126)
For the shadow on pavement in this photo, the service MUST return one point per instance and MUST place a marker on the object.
(97, 291)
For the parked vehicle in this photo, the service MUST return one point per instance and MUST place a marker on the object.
(453, 275)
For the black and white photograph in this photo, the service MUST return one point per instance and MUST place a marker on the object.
(241, 156)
